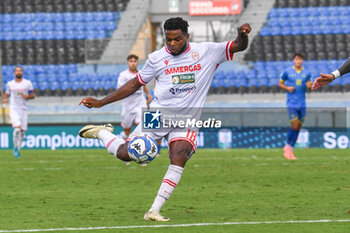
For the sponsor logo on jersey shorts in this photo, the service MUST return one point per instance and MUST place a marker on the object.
(183, 78)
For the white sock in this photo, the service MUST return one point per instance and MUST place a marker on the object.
(16, 135)
(125, 136)
(111, 141)
(170, 180)
(20, 139)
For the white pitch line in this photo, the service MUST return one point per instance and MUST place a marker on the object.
(177, 225)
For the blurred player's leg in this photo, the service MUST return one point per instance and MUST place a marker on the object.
(292, 137)
(16, 140)
(159, 146)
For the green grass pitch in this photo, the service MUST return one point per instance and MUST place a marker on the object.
(90, 188)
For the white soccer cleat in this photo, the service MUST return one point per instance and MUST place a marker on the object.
(155, 216)
(91, 131)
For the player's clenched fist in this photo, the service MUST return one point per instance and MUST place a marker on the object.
(90, 102)
(244, 29)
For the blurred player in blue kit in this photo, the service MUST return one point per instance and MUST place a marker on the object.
(295, 80)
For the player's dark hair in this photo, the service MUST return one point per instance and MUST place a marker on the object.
(175, 24)
(298, 55)
(132, 56)
(17, 67)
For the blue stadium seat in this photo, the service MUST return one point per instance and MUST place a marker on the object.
(111, 25)
(312, 11)
(99, 16)
(89, 17)
(293, 12)
(273, 13)
(275, 31)
(296, 31)
(285, 31)
(273, 82)
(285, 22)
(265, 31)
(80, 26)
(65, 85)
(345, 11)
(59, 26)
(283, 12)
(78, 17)
(109, 16)
(58, 35)
(69, 34)
(43, 85)
(6, 27)
(274, 22)
(7, 18)
(54, 85)
(57, 17)
(75, 85)
(67, 17)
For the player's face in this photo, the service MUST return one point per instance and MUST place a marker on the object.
(176, 41)
(18, 72)
(132, 63)
(298, 61)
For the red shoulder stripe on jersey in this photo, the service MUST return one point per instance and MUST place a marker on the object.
(139, 79)
(188, 48)
(231, 54)
(227, 57)
(166, 49)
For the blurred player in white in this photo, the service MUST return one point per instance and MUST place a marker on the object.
(19, 90)
(133, 104)
(183, 72)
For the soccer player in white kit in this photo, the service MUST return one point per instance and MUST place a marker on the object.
(196, 62)
(133, 104)
(19, 90)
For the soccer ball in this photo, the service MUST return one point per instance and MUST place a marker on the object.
(142, 149)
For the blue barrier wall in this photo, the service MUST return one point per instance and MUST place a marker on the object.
(66, 137)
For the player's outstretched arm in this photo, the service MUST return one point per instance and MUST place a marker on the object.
(241, 41)
(325, 79)
(129, 88)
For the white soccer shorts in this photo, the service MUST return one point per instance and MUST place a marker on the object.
(128, 119)
(19, 118)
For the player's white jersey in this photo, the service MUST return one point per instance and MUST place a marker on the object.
(134, 102)
(15, 89)
(183, 81)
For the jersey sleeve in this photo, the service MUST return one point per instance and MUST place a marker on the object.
(30, 87)
(220, 52)
(8, 89)
(283, 76)
(121, 81)
(147, 73)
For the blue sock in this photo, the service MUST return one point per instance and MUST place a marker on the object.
(292, 136)
(158, 147)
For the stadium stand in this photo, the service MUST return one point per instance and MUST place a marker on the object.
(48, 38)
(317, 28)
